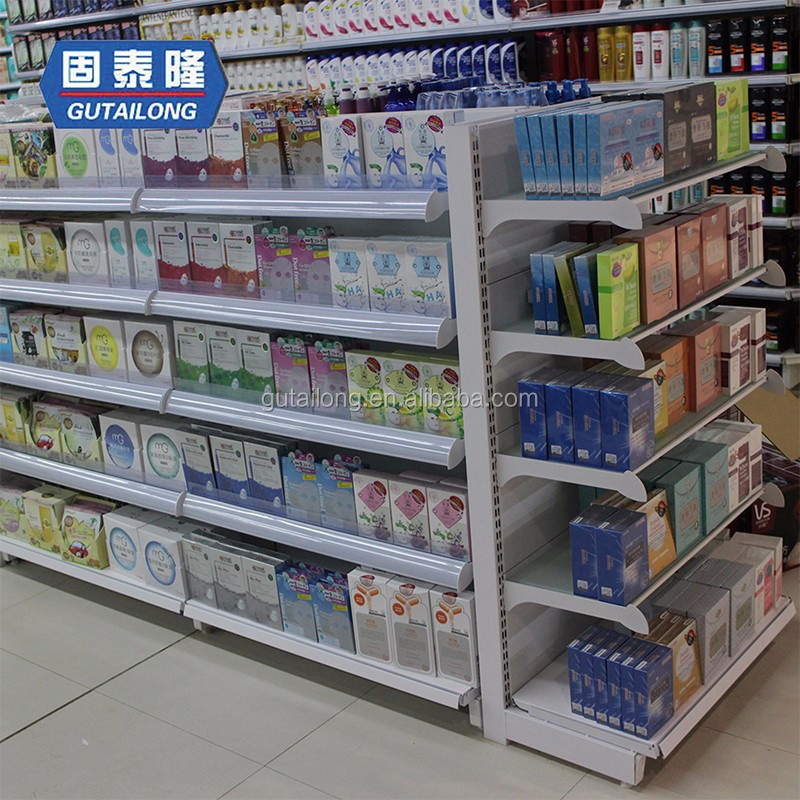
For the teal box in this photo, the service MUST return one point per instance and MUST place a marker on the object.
(648, 143)
(525, 157)
(649, 475)
(610, 168)
(538, 157)
(565, 168)
(682, 484)
(714, 485)
(579, 155)
(550, 142)
(6, 349)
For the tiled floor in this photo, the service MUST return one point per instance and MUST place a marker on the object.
(103, 697)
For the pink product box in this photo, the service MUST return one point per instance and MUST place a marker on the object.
(290, 367)
(328, 372)
(311, 266)
(274, 259)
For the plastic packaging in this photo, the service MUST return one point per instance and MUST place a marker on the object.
(659, 50)
(605, 54)
(642, 59)
(623, 50)
(697, 48)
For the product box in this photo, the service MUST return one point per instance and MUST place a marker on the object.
(191, 146)
(295, 586)
(256, 374)
(144, 247)
(734, 349)
(441, 404)
(370, 598)
(372, 502)
(710, 607)
(34, 149)
(12, 508)
(191, 352)
(205, 256)
(348, 260)
(610, 166)
(44, 512)
(674, 352)
(161, 543)
(80, 435)
(364, 387)
(584, 267)
(106, 148)
(401, 381)
(409, 511)
(6, 345)
(301, 146)
(197, 551)
(628, 685)
(16, 405)
(583, 546)
(681, 639)
(265, 485)
(84, 537)
(300, 487)
(75, 157)
(574, 669)
(713, 459)
(618, 288)
(533, 412)
(8, 169)
(327, 369)
(525, 157)
(762, 561)
(423, 139)
(448, 516)
(738, 445)
(586, 419)
(658, 277)
(334, 479)
(240, 268)
(599, 667)
(274, 260)
(455, 634)
(655, 693)
(538, 156)
(738, 238)
(149, 352)
(566, 168)
(331, 599)
(714, 233)
(386, 276)
(733, 117)
(773, 543)
(561, 297)
(121, 437)
(226, 151)
(683, 487)
(173, 256)
(262, 603)
(614, 681)
(159, 157)
(429, 278)
(290, 369)
(161, 455)
(119, 250)
(262, 150)
(130, 157)
(199, 464)
(229, 469)
(411, 627)
(622, 559)
(43, 433)
(384, 151)
(660, 538)
(105, 345)
(647, 139)
(13, 261)
(758, 338)
(230, 582)
(66, 343)
(311, 266)
(28, 337)
(558, 405)
(704, 347)
(45, 251)
(628, 433)
(547, 123)
(224, 356)
(586, 661)
(689, 241)
(342, 151)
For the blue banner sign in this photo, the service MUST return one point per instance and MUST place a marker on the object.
(128, 84)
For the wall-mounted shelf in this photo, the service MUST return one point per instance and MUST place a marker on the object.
(103, 298)
(782, 222)
(84, 200)
(759, 292)
(753, 78)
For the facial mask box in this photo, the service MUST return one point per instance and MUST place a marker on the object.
(655, 695)
(159, 157)
(122, 539)
(192, 159)
(230, 469)
(197, 550)
(762, 562)
(224, 356)
(409, 507)
(586, 419)
(44, 512)
(84, 537)
(734, 349)
(599, 668)
(43, 433)
(342, 151)
(737, 442)
(13, 263)
(441, 403)
(674, 352)
(33, 146)
(610, 163)
(331, 600)
(538, 156)
(411, 625)
(348, 261)
(622, 561)
(121, 438)
(173, 256)
(191, 352)
(230, 582)
(45, 251)
(8, 169)
(327, 370)
(240, 268)
(105, 148)
(372, 502)
(105, 345)
(274, 260)
(336, 497)
(290, 369)
(144, 246)
(12, 507)
(66, 343)
(196, 458)
(265, 485)
(130, 157)
(370, 599)
(16, 406)
(262, 603)
(311, 266)
(618, 288)
(739, 580)
(628, 432)
(429, 278)
(301, 146)
(206, 266)
(448, 516)
(295, 586)
(384, 151)
(119, 250)
(226, 151)
(423, 139)
(80, 435)
(455, 634)
(161, 543)
(149, 352)
(533, 412)
(256, 375)
(547, 123)
(300, 487)
(262, 149)
(364, 387)
(713, 459)
(681, 638)
(387, 276)
(574, 668)
(401, 381)
(758, 334)
(704, 348)
(161, 455)
(775, 545)
(583, 546)
(75, 157)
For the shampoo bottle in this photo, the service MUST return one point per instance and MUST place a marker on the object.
(715, 46)
(605, 54)
(325, 19)
(659, 50)
(641, 53)
(310, 22)
(589, 53)
(737, 43)
(758, 44)
(779, 49)
(697, 48)
(623, 47)
(678, 46)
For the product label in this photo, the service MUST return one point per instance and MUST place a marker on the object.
(148, 353)
(122, 549)
(163, 456)
(119, 446)
(104, 348)
(74, 156)
(160, 563)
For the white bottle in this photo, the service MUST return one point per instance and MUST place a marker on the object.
(360, 69)
(467, 16)
(411, 67)
(300, 78)
(310, 22)
(241, 33)
(254, 29)
(433, 8)
(697, 50)
(678, 52)
(267, 24)
(241, 76)
(418, 14)
(250, 76)
(335, 71)
(312, 73)
(260, 69)
(384, 67)
(451, 12)
(325, 19)
(348, 71)
(277, 33)
(385, 16)
(370, 17)
(292, 25)
(659, 53)
(424, 62)
(269, 74)
(400, 15)
(216, 28)
(372, 68)
(641, 56)
(398, 66)
(340, 18)
(280, 75)
(355, 17)
(204, 25)
(324, 74)
(228, 27)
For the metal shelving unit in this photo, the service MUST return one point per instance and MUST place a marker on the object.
(782, 222)
(753, 78)
(103, 298)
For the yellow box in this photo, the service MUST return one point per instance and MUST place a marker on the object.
(733, 118)
(83, 534)
(681, 638)
(16, 406)
(44, 509)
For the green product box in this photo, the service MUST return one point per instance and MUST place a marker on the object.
(712, 457)
(683, 487)
(441, 403)
(224, 356)
(257, 373)
(191, 351)
(733, 118)
(618, 289)
(401, 378)
(13, 263)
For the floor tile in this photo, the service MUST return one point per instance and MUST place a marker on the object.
(86, 633)
(252, 699)
(21, 580)
(267, 784)
(595, 787)
(29, 692)
(395, 746)
(98, 748)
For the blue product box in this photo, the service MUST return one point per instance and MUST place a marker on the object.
(623, 568)
(587, 676)
(714, 486)
(565, 168)
(627, 409)
(550, 143)
(614, 682)
(648, 143)
(538, 293)
(331, 601)
(682, 485)
(583, 547)
(532, 412)
(586, 419)
(230, 468)
(653, 691)
(579, 154)
(265, 484)
(558, 405)
(300, 487)
(584, 267)
(337, 503)
(295, 584)
(525, 156)
(628, 685)
(600, 674)
(198, 470)
(6, 349)
(610, 168)
(538, 157)
(574, 666)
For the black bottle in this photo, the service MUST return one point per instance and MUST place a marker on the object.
(759, 114)
(758, 44)
(738, 45)
(779, 194)
(760, 185)
(778, 55)
(777, 115)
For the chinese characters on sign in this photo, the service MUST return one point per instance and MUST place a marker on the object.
(123, 84)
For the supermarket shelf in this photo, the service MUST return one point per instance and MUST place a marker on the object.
(397, 328)
(323, 203)
(782, 222)
(416, 446)
(438, 690)
(512, 465)
(104, 578)
(545, 699)
(521, 338)
(10, 87)
(622, 211)
(29, 74)
(104, 298)
(759, 292)
(371, 553)
(5, 50)
(754, 79)
(82, 200)
(43, 469)
(787, 148)
(136, 395)
(545, 578)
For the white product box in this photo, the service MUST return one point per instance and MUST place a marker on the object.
(122, 539)
(198, 471)
(754, 446)
(224, 356)
(172, 251)
(66, 343)
(264, 474)
(448, 516)
(161, 548)
(401, 381)
(738, 461)
(87, 256)
(191, 352)
(342, 151)
(145, 261)
(412, 634)
(455, 634)
(758, 338)
(410, 526)
(735, 349)
(386, 276)
(423, 139)
(230, 583)
(149, 352)
(226, 150)
(197, 551)
(130, 157)
(108, 167)
(429, 278)
(373, 510)
(76, 157)
(262, 603)
(105, 346)
(161, 455)
(230, 468)
(773, 543)
(369, 597)
(384, 151)
(761, 559)
(120, 253)
(121, 439)
(710, 607)
(349, 281)
(239, 258)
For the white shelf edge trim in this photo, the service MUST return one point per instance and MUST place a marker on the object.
(105, 298)
(438, 690)
(105, 578)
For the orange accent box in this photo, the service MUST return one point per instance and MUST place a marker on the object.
(705, 379)
(674, 352)
(714, 233)
(689, 242)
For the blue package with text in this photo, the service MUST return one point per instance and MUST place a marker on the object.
(538, 157)
(614, 682)
(300, 486)
(579, 154)
(653, 691)
(538, 294)
(586, 419)
(574, 666)
(623, 569)
(587, 676)
(550, 144)
(628, 685)
(627, 409)
(533, 412)
(331, 600)
(558, 404)
(610, 169)
(600, 674)
(565, 168)
(525, 156)
(198, 470)
(584, 267)
(230, 467)
(337, 503)
(583, 547)
(295, 585)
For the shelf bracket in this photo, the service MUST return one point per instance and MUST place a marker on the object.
(775, 383)
(774, 160)
(774, 275)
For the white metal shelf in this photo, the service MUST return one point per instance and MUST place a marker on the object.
(371, 553)
(10, 87)
(546, 578)
(545, 699)
(787, 148)
(623, 211)
(96, 199)
(413, 445)
(782, 222)
(757, 292)
(438, 690)
(753, 79)
(511, 465)
(86, 480)
(520, 337)
(29, 74)
(104, 298)
(105, 578)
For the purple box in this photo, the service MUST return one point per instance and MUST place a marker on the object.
(311, 266)
(274, 260)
